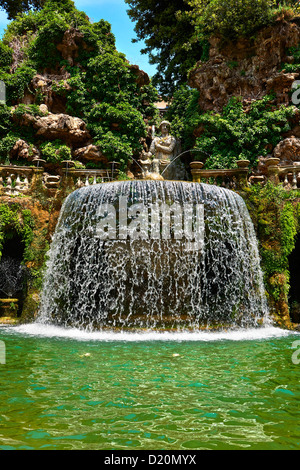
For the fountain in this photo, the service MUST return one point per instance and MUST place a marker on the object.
(154, 254)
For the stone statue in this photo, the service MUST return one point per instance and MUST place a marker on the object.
(163, 151)
(163, 147)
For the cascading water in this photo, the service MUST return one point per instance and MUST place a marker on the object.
(154, 254)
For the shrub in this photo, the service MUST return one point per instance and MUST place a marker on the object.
(5, 57)
(235, 135)
(18, 82)
(184, 114)
(5, 122)
(6, 144)
(55, 152)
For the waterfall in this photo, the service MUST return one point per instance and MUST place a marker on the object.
(154, 254)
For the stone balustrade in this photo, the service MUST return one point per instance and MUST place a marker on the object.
(289, 176)
(16, 180)
(235, 178)
(81, 178)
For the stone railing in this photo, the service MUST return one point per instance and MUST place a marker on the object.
(17, 180)
(236, 178)
(80, 178)
(289, 176)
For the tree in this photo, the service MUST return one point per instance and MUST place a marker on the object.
(176, 32)
(231, 18)
(14, 7)
(168, 33)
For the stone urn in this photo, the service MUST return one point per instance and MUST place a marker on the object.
(196, 165)
(272, 161)
(67, 164)
(39, 162)
(243, 163)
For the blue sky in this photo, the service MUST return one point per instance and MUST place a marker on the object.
(113, 11)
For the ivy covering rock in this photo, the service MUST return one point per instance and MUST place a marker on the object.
(68, 86)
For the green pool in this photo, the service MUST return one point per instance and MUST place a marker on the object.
(63, 389)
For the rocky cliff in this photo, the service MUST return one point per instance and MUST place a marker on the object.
(266, 65)
(250, 68)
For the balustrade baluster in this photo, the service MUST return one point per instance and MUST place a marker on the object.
(294, 184)
(8, 185)
(18, 184)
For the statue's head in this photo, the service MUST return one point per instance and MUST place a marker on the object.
(164, 127)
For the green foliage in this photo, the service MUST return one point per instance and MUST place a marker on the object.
(231, 18)
(115, 147)
(295, 66)
(31, 109)
(21, 222)
(231, 135)
(23, 25)
(43, 50)
(123, 177)
(288, 229)
(18, 82)
(6, 144)
(5, 57)
(14, 7)
(235, 135)
(107, 97)
(184, 113)
(5, 122)
(169, 37)
(55, 152)
(275, 213)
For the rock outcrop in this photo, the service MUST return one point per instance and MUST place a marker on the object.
(22, 150)
(44, 86)
(247, 68)
(89, 153)
(69, 129)
(288, 150)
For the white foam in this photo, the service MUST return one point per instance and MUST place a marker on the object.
(50, 331)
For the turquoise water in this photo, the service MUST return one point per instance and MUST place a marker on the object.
(64, 389)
